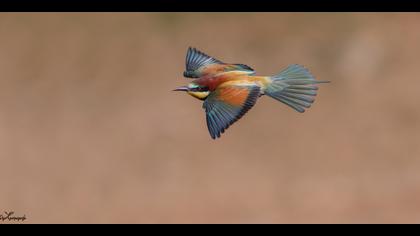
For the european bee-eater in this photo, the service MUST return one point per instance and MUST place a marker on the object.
(230, 90)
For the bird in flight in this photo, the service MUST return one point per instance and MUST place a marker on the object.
(230, 90)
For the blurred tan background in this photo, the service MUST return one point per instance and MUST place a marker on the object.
(90, 131)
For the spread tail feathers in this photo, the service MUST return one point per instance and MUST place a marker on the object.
(295, 87)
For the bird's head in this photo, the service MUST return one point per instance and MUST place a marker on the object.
(195, 90)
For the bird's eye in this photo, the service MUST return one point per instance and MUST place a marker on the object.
(200, 89)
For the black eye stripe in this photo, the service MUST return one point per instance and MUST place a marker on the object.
(199, 89)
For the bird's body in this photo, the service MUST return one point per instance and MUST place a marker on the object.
(212, 82)
(230, 90)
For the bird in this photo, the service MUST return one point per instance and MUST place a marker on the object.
(230, 90)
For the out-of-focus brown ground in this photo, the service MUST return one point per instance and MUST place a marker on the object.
(90, 131)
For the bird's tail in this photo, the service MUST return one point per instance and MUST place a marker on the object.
(294, 86)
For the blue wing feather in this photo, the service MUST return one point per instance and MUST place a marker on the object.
(220, 115)
(195, 60)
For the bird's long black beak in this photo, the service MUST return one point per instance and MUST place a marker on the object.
(182, 88)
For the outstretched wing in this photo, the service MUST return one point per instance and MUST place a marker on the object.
(227, 104)
(198, 63)
(196, 60)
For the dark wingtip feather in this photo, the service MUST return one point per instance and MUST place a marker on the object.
(195, 59)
